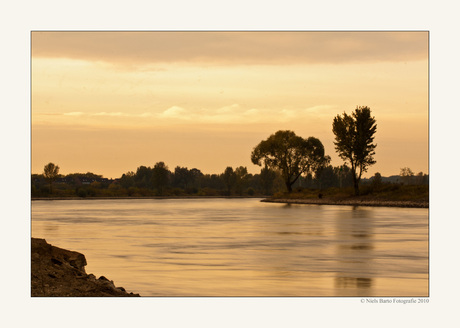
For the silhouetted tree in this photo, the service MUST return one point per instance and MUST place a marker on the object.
(182, 177)
(320, 171)
(406, 175)
(354, 136)
(290, 154)
(421, 178)
(229, 178)
(267, 178)
(51, 173)
(344, 175)
(326, 177)
(242, 178)
(143, 177)
(160, 177)
(377, 180)
(196, 176)
(127, 180)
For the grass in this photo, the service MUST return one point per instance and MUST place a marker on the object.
(384, 192)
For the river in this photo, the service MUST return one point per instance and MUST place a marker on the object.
(243, 247)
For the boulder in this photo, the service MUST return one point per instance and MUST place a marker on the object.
(59, 272)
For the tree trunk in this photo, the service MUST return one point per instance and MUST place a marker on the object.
(289, 186)
(356, 187)
(355, 183)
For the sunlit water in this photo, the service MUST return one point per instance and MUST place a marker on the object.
(242, 247)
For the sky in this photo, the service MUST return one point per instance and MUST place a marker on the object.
(109, 102)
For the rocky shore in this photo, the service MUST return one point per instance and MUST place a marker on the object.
(60, 272)
(350, 202)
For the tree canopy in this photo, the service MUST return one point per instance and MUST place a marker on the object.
(354, 136)
(290, 154)
(51, 173)
(160, 177)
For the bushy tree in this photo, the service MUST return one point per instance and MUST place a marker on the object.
(182, 177)
(160, 177)
(377, 180)
(326, 177)
(51, 173)
(242, 178)
(267, 179)
(229, 177)
(406, 175)
(290, 154)
(354, 137)
(127, 180)
(143, 177)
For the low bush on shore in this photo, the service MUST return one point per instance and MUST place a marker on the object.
(384, 192)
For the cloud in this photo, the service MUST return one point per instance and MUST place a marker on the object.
(144, 48)
(234, 113)
(252, 112)
(320, 109)
(228, 109)
(108, 114)
(174, 112)
(74, 114)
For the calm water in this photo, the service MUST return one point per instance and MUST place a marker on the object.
(242, 247)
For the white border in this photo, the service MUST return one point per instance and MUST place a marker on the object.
(20, 17)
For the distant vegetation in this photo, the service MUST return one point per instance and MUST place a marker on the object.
(160, 181)
(292, 167)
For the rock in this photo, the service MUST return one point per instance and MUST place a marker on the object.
(60, 272)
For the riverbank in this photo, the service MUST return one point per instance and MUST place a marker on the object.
(349, 202)
(59, 272)
(143, 197)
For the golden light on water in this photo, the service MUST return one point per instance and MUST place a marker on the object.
(242, 247)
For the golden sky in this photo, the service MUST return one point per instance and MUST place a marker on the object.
(108, 102)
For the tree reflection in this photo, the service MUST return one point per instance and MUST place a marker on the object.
(355, 252)
(353, 282)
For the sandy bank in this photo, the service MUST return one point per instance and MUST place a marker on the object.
(60, 272)
(349, 202)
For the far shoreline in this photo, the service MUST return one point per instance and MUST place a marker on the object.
(348, 202)
(296, 201)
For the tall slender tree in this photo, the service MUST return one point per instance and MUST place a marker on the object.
(354, 137)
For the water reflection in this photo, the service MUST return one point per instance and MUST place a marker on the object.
(354, 231)
(241, 247)
(353, 282)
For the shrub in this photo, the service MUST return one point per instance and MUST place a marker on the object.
(81, 192)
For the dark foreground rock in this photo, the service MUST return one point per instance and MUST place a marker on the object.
(60, 272)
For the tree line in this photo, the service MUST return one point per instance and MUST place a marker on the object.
(158, 180)
(288, 162)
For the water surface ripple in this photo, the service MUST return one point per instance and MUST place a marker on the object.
(243, 247)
